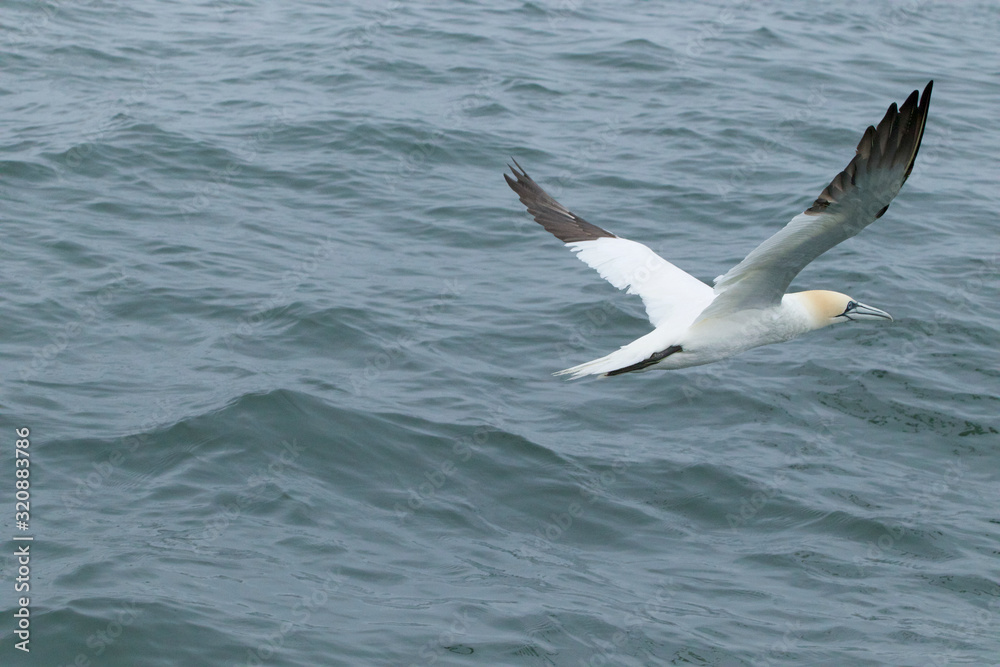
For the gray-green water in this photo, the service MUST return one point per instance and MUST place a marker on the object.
(283, 337)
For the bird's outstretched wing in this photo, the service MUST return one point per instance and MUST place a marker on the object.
(856, 197)
(666, 291)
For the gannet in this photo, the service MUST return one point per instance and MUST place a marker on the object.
(696, 324)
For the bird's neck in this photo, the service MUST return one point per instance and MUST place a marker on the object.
(807, 309)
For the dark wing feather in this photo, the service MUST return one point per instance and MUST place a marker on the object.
(855, 198)
(549, 213)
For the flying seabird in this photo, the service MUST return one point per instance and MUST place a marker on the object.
(696, 324)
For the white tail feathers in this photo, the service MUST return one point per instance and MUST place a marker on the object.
(636, 351)
(601, 366)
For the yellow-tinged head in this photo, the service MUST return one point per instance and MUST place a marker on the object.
(826, 307)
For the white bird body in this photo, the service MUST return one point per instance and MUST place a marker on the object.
(711, 340)
(696, 324)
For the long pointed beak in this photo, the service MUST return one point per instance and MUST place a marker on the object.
(863, 312)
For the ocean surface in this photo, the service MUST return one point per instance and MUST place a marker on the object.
(282, 338)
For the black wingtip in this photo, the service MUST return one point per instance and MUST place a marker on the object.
(549, 213)
(895, 139)
(519, 174)
(925, 97)
(920, 119)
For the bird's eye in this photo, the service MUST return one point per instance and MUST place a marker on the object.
(851, 305)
